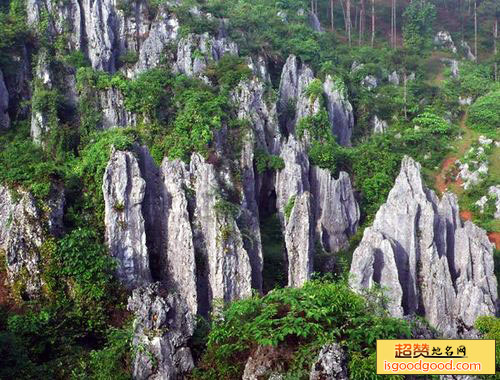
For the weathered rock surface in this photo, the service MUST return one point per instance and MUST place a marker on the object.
(250, 97)
(331, 364)
(293, 103)
(114, 113)
(314, 22)
(339, 109)
(266, 363)
(162, 329)
(379, 125)
(430, 263)
(336, 211)
(370, 82)
(218, 237)
(393, 78)
(4, 104)
(178, 254)
(124, 189)
(24, 227)
(195, 52)
(299, 232)
(467, 51)
(453, 63)
(443, 40)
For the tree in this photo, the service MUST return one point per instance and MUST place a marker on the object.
(331, 15)
(393, 24)
(417, 28)
(373, 22)
(361, 23)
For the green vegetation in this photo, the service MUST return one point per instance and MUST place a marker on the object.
(490, 328)
(265, 161)
(484, 114)
(289, 206)
(300, 321)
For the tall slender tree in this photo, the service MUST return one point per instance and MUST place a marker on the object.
(475, 28)
(373, 22)
(331, 16)
(361, 23)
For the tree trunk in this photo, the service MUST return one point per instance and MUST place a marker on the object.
(373, 22)
(495, 51)
(405, 94)
(361, 23)
(348, 14)
(475, 28)
(331, 15)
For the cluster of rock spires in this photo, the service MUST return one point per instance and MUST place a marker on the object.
(187, 235)
(427, 259)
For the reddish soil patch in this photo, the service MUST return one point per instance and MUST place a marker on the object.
(441, 180)
(466, 215)
(495, 238)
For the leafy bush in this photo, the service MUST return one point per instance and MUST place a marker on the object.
(26, 164)
(314, 89)
(289, 206)
(90, 167)
(484, 114)
(265, 161)
(302, 320)
(490, 328)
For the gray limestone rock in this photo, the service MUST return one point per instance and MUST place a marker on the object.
(218, 237)
(124, 190)
(393, 78)
(379, 125)
(336, 211)
(331, 364)
(428, 261)
(113, 110)
(24, 227)
(194, 52)
(299, 241)
(265, 363)
(4, 104)
(178, 254)
(162, 329)
(340, 112)
(370, 82)
(443, 40)
(314, 22)
(293, 104)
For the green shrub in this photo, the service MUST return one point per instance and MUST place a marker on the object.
(90, 167)
(314, 89)
(26, 164)
(484, 114)
(289, 206)
(265, 161)
(128, 58)
(490, 328)
(302, 320)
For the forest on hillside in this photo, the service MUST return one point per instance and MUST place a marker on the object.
(213, 189)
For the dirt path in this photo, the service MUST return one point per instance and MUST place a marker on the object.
(464, 144)
(443, 182)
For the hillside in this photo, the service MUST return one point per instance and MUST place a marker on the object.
(247, 189)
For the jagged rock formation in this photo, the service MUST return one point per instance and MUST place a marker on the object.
(113, 111)
(4, 104)
(331, 364)
(430, 262)
(266, 363)
(124, 188)
(24, 228)
(299, 241)
(443, 40)
(393, 78)
(314, 22)
(339, 109)
(194, 52)
(177, 260)
(336, 210)
(293, 103)
(379, 125)
(162, 331)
